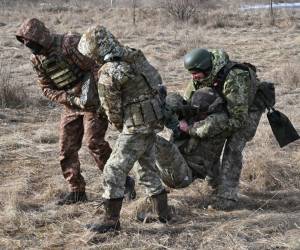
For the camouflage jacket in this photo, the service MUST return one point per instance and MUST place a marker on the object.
(114, 85)
(66, 45)
(128, 83)
(65, 63)
(236, 92)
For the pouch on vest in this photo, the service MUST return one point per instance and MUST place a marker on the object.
(89, 95)
(148, 112)
(137, 116)
(157, 109)
(282, 127)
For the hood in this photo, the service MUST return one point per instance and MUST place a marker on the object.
(219, 59)
(100, 45)
(35, 30)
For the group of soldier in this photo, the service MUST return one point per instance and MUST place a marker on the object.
(98, 80)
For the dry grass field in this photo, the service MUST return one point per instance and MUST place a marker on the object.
(268, 215)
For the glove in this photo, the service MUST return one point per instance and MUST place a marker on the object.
(75, 101)
(183, 126)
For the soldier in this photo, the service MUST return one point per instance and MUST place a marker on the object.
(67, 77)
(187, 157)
(236, 84)
(129, 91)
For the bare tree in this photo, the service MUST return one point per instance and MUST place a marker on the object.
(272, 12)
(181, 10)
(134, 5)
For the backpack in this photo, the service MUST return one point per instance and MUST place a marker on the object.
(264, 98)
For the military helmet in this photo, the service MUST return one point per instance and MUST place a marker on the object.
(198, 60)
(175, 101)
(100, 44)
(203, 98)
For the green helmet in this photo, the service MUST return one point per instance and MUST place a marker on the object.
(198, 60)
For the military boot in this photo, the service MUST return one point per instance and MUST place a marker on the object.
(110, 221)
(72, 198)
(161, 207)
(129, 193)
(155, 208)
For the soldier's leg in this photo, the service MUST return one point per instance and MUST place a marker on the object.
(171, 165)
(71, 133)
(149, 178)
(95, 126)
(231, 164)
(127, 150)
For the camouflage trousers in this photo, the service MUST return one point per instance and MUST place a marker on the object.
(131, 148)
(180, 163)
(73, 126)
(231, 163)
(171, 165)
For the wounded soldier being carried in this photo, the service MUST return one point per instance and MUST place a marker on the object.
(186, 157)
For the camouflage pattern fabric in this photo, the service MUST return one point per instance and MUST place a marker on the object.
(128, 88)
(35, 30)
(131, 148)
(239, 128)
(171, 165)
(232, 159)
(73, 126)
(63, 45)
(179, 163)
(75, 122)
(100, 44)
(235, 91)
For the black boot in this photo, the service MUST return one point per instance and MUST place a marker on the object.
(161, 207)
(129, 193)
(72, 198)
(153, 209)
(110, 221)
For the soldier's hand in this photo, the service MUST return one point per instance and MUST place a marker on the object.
(183, 126)
(75, 101)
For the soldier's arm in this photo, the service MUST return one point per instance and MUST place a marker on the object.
(211, 126)
(235, 93)
(111, 78)
(49, 90)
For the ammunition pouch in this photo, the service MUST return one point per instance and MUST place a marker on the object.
(89, 94)
(63, 74)
(143, 112)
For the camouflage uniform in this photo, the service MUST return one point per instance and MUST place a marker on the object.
(128, 87)
(60, 82)
(193, 156)
(238, 92)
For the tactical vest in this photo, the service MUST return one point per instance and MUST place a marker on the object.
(63, 74)
(141, 103)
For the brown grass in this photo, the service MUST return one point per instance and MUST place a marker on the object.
(11, 94)
(30, 178)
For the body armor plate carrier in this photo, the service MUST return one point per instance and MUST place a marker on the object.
(63, 74)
